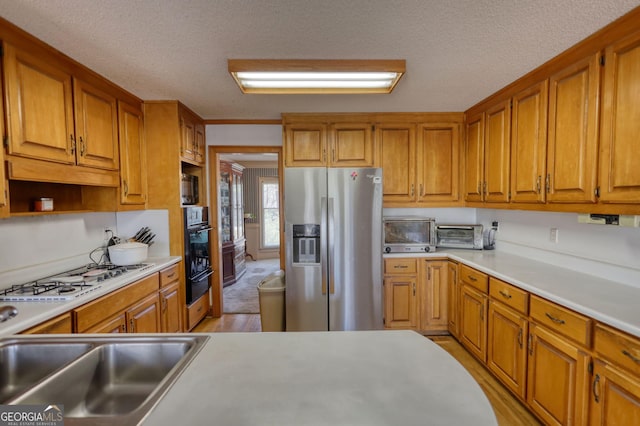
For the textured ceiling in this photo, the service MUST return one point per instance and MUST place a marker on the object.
(458, 51)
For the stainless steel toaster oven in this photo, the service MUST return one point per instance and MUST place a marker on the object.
(459, 236)
(409, 234)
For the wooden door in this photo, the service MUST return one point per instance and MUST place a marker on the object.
(620, 131)
(433, 300)
(474, 154)
(506, 347)
(305, 145)
(187, 139)
(115, 324)
(397, 144)
(351, 145)
(200, 143)
(497, 133)
(171, 308)
(572, 151)
(96, 116)
(133, 158)
(557, 387)
(473, 324)
(438, 168)
(39, 107)
(144, 317)
(453, 297)
(529, 144)
(401, 302)
(615, 396)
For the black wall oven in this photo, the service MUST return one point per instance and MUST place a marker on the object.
(197, 259)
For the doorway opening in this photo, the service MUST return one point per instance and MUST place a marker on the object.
(246, 199)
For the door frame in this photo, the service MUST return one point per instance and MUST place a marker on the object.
(217, 307)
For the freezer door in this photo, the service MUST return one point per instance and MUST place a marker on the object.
(355, 249)
(305, 201)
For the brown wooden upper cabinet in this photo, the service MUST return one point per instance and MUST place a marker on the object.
(620, 123)
(573, 133)
(41, 112)
(488, 153)
(133, 155)
(192, 137)
(397, 143)
(325, 141)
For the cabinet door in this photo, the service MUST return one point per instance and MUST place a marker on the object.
(433, 300)
(400, 302)
(573, 133)
(96, 116)
(473, 325)
(201, 143)
(474, 153)
(351, 145)
(305, 145)
(58, 325)
(397, 144)
(115, 324)
(620, 131)
(171, 308)
(144, 317)
(615, 396)
(438, 169)
(133, 159)
(453, 299)
(39, 107)
(529, 144)
(557, 387)
(497, 133)
(506, 347)
(187, 139)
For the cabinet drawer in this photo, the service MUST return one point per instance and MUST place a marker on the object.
(197, 310)
(169, 275)
(568, 323)
(618, 348)
(509, 295)
(474, 278)
(400, 266)
(58, 325)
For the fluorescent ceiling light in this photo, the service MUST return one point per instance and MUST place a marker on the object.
(316, 76)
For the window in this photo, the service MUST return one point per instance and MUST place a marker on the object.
(270, 213)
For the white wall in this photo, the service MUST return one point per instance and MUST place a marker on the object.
(608, 251)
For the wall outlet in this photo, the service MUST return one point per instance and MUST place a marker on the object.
(553, 235)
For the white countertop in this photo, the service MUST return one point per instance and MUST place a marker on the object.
(610, 302)
(323, 378)
(34, 313)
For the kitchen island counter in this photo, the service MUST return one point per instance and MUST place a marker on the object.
(323, 378)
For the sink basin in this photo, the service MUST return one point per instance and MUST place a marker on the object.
(120, 379)
(23, 364)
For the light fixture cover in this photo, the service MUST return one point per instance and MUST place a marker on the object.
(322, 76)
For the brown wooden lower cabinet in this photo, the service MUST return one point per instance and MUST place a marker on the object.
(401, 302)
(453, 290)
(615, 396)
(171, 308)
(197, 310)
(507, 347)
(558, 378)
(115, 324)
(473, 321)
(144, 317)
(59, 325)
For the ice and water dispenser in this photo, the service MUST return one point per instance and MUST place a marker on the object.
(306, 243)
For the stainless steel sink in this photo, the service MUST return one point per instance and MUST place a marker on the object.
(23, 364)
(117, 381)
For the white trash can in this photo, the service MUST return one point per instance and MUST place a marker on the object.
(271, 296)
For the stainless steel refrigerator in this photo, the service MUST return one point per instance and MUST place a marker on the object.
(333, 246)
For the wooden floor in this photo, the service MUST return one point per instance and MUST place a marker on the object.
(509, 411)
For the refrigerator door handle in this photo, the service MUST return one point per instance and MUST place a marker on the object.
(331, 240)
(323, 243)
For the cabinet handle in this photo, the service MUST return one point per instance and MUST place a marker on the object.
(414, 288)
(421, 190)
(538, 184)
(472, 278)
(171, 275)
(324, 155)
(126, 188)
(480, 188)
(505, 294)
(596, 390)
(631, 356)
(333, 155)
(520, 338)
(484, 188)
(547, 183)
(428, 273)
(554, 319)
(132, 326)
(124, 328)
(530, 344)
(82, 147)
(73, 144)
(400, 267)
(412, 190)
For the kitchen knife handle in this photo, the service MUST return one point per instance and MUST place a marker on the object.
(323, 243)
(331, 240)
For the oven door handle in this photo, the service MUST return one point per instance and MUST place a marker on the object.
(199, 230)
(203, 275)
